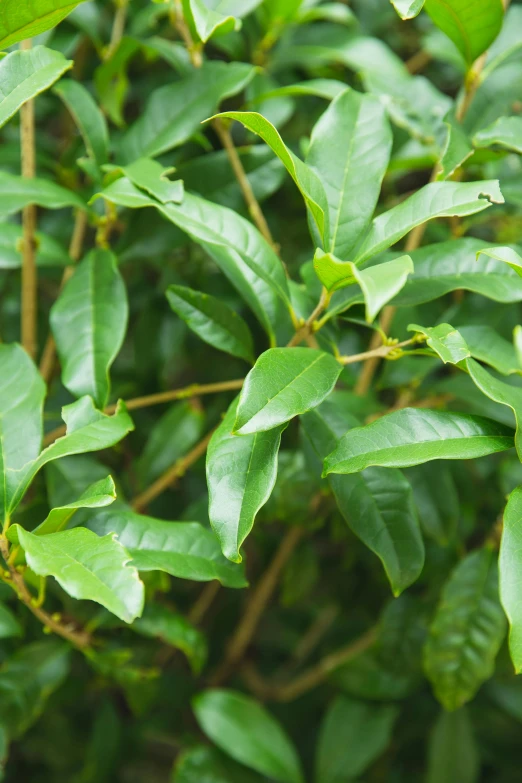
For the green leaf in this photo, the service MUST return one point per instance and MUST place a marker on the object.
(471, 27)
(87, 116)
(25, 74)
(212, 320)
(284, 383)
(500, 392)
(87, 566)
(466, 633)
(183, 549)
(349, 150)
(241, 473)
(89, 321)
(453, 753)
(25, 20)
(309, 184)
(445, 340)
(247, 732)
(412, 436)
(506, 132)
(205, 763)
(211, 20)
(17, 192)
(174, 112)
(486, 345)
(377, 504)
(509, 565)
(322, 88)
(22, 393)
(407, 9)
(151, 176)
(160, 622)
(9, 625)
(49, 252)
(451, 266)
(438, 199)
(100, 494)
(437, 500)
(352, 736)
(505, 254)
(456, 150)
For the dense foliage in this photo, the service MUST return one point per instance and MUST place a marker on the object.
(260, 458)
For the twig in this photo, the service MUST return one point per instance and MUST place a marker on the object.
(256, 606)
(418, 62)
(79, 638)
(118, 28)
(172, 474)
(381, 352)
(471, 85)
(194, 390)
(306, 329)
(75, 251)
(181, 26)
(29, 275)
(318, 628)
(203, 602)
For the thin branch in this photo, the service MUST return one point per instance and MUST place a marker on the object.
(181, 26)
(79, 638)
(75, 251)
(194, 390)
(29, 274)
(203, 602)
(175, 472)
(256, 606)
(306, 330)
(418, 61)
(381, 352)
(118, 28)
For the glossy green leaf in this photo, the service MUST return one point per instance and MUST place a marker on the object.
(208, 19)
(207, 763)
(407, 9)
(456, 150)
(159, 622)
(486, 345)
(305, 178)
(438, 199)
(445, 340)
(284, 383)
(349, 150)
(212, 320)
(412, 436)
(377, 503)
(100, 494)
(87, 566)
(25, 20)
(247, 732)
(241, 473)
(466, 633)
(352, 736)
(506, 132)
(174, 112)
(16, 192)
(183, 549)
(151, 176)
(453, 753)
(507, 255)
(88, 118)
(509, 565)
(471, 27)
(452, 266)
(25, 74)
(89, 321)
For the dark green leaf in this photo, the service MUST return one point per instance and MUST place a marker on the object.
(159, 622)
(87, 116)
(453, 754)
(472, 28)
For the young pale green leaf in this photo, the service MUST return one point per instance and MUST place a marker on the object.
(206, 763)
(22, 393)
(349, 150)
(486, 345)
(453, 753)
(17, 192)
(352, 736)
(100, 494)
(174, 112)
(25, 74)
(451, 266)
(25, 20)
(412, 436)
(377, 503)
(89, 321)
(87, 116)
(445, 340)
(49, 252)
(500, 392)
(151, 176)
(305, 178)
(467, 630)
(183, 549)
(407, 9)
(506, 132)
(510, 563)
(159, 622)
(456, 150)
(471, 26)
(505, 254)
(87, 566)
(247, 732)
(87, 430)
(212, 320)
(438, 199)
(241, 473)
(284, 383)
(208, 19)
